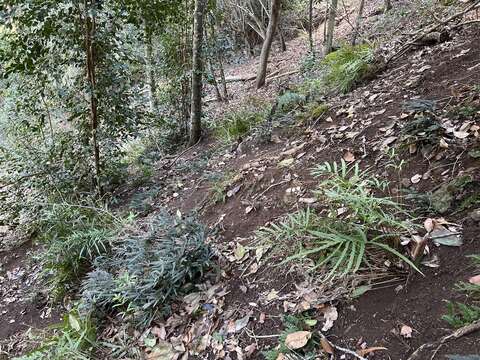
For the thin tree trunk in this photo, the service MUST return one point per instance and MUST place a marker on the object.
(358, 22)
(222, 76)
(267, 44)
(91, 77)
(331, 26)
(283, 43)
(310, 26)
(152, 86)
(197, 70)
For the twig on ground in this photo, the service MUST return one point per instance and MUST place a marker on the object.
(466, 330)
(181, 154)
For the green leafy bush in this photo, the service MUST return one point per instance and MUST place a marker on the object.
(73, 339)
(146, 271)
(73, 237)
(290, 101)
(345, 68)
(239, 122)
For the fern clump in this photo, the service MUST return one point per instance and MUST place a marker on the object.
(148, 270)
(346, 67)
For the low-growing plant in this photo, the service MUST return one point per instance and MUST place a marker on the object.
(342, 246)
(73, 236)
(347, 67)
(145, 271)
(74, 338)
(240, 122)
(290, 101)
(291, 325)
(459, 314)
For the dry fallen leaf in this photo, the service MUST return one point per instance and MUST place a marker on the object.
(330, 315)
(348, 157)
(281, 357)
(326, 346)
(297, 340)
(429, 225)
(416, 178)
(406, 331)
(475, 280)
(460, 134)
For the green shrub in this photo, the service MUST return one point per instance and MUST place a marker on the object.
(345, 68)
(341, 246)
(146, 271)
(239, 122)
(290, 101)
(73, 236)
(73, 339)
(461, 314)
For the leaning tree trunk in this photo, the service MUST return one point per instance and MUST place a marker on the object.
(91, 77)
(267, 44)
(197, 72)
(331, 26)
(358, 22)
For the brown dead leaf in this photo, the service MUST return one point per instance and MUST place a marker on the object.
(429, 224)
(369, 350)
(281, 357)
(326, 346)
(349, 157)
(297, 340)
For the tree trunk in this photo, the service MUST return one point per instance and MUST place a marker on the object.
(222, 76)
(283, 43)
(90, 54)
(152, 86)
(331, 26)
(197, 70)
(358, 22)
(310, 26)
(267, 44)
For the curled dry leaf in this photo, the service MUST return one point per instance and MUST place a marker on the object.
(326, 346)
(349, 157)
(429, 224)
(297, 340)
(416, 178)
(475, 280)
(330, 315)
(406, 331)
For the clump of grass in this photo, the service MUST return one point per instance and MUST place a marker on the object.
(74, 235)
(240, 122)
(459, 314)
(348, 66)
(341, 245)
